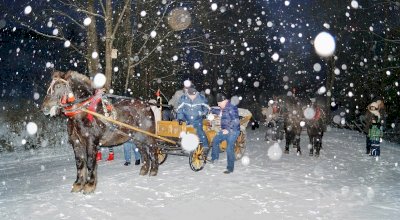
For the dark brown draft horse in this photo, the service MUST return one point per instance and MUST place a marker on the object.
(315, 129)
(68, 93)
(292, 118)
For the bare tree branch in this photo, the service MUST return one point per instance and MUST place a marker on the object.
(102, 7)
(158, 24)
(72, 19)
(51, 36)
(151, 52)
(120, 19)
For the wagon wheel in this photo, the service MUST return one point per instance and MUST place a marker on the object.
(197, 160)
(161, 156)
(240, 145)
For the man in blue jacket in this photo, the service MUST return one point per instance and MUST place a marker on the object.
(192, 108)
(230, 130)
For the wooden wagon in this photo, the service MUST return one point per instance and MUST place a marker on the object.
(168, 133)
(198, 158)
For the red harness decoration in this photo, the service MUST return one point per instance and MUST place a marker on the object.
(317, 113)
(93, 104)
(274, 109)
(73, 110)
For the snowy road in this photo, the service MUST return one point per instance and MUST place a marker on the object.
(343, 183)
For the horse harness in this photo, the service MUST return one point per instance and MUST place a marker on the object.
(71, 107)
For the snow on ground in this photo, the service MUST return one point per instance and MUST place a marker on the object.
(343, 183)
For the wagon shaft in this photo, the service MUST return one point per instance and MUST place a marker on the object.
(129, 126)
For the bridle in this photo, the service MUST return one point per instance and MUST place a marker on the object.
(68, 96)
(68, 104)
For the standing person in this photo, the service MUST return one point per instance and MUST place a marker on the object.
(192, 108)
(230, 130)
(372, 116)
(128, 147)
(375, 134)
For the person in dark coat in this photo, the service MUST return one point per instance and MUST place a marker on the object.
(192, 108)
(230, 130)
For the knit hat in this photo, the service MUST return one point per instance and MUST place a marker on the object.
(221, 97)
(191, 91)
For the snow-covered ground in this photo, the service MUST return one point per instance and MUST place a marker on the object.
(343, 183)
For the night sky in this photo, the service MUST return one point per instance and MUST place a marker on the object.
(295, 24)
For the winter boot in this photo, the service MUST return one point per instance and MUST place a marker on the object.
(110, 156)
(137, 162)
(98, 155)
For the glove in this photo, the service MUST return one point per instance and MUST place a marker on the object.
(180, 122)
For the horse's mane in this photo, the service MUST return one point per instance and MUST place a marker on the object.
(80, 84)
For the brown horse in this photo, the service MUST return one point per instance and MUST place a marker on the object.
(315, 129)
(71, 92)
(291, 111)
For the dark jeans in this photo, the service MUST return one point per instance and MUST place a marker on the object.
(128, 147)
(368, 146)
(375, 148)
(230, 138)
(201, 134)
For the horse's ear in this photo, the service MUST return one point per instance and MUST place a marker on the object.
(68, 75)
(57, 74)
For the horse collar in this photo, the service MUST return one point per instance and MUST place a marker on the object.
(91, 102)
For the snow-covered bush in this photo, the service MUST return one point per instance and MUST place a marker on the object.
(14, 136)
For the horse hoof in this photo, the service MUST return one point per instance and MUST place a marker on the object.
(299, 153)
(76, 187)
(89, 188)
(153, 172)
(143, 171)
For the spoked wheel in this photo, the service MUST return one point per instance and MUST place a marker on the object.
(240, 145)
(161, 156)
(197, 159)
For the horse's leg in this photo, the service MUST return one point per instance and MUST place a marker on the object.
(80, 160)
(91, 183)
(297, 143)
(146, 161)
(154, 161)
(318, 145)
(322, 134)
(288, 140)
(294, 139)
(310, 138)
(312, 146)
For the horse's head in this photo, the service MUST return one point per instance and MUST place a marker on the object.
(64, 88)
